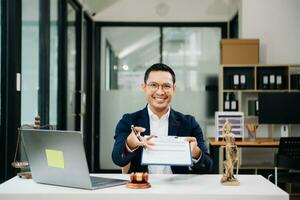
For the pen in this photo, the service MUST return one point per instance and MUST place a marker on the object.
(138, 135)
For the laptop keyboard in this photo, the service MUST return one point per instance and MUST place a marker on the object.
(98, 181)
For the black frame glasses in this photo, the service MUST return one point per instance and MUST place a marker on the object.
(155, 86)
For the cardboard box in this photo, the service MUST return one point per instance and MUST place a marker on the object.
(240, 51)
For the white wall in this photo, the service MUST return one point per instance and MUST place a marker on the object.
(276, 24)
(165, 10)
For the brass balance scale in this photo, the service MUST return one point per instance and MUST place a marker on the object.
(22, 165)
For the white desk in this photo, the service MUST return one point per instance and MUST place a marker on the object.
(164, 187)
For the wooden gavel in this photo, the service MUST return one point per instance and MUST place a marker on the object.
(139, 177)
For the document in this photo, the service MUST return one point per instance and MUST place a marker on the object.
(169, 150)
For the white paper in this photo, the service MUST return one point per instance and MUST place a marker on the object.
(169, 150)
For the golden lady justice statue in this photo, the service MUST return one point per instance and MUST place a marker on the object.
(231, 156)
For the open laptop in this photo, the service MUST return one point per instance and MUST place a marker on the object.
(58, 158)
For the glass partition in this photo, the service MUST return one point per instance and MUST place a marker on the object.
(194, 55)
(0, 61)
(71, 62)
(125, 54)
(84, 69)
(53, 62)
(30, 60)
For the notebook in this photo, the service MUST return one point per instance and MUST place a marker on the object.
(58, 158)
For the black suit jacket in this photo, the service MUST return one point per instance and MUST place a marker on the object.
(179, 125)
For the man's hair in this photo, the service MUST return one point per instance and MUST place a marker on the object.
(159, 67)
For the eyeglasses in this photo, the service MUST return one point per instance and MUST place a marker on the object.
(165, 86)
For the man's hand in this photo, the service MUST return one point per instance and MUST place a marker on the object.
(196, 151)
(133, 142)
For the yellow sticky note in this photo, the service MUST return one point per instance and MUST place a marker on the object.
(55, 158)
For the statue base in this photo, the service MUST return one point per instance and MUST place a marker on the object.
(25, 175)
(231, 183)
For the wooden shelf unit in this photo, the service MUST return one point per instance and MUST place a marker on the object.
(249, 95)
(254, 75)
(245, 96)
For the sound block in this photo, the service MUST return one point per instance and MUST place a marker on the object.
(138, 185)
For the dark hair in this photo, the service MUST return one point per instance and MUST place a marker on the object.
(159, 67)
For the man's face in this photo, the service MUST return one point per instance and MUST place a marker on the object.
(159, 90)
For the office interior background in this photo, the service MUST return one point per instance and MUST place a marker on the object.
(79, 64)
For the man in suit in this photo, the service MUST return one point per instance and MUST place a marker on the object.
(158, 118)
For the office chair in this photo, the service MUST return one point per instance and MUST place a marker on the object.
(288, 159)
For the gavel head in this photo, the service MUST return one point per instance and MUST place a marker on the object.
(139, 177)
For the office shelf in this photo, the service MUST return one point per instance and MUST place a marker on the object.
(245, 81)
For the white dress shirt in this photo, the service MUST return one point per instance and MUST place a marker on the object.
(159, 127)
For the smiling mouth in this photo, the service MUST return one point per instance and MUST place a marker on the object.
(160, 99)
